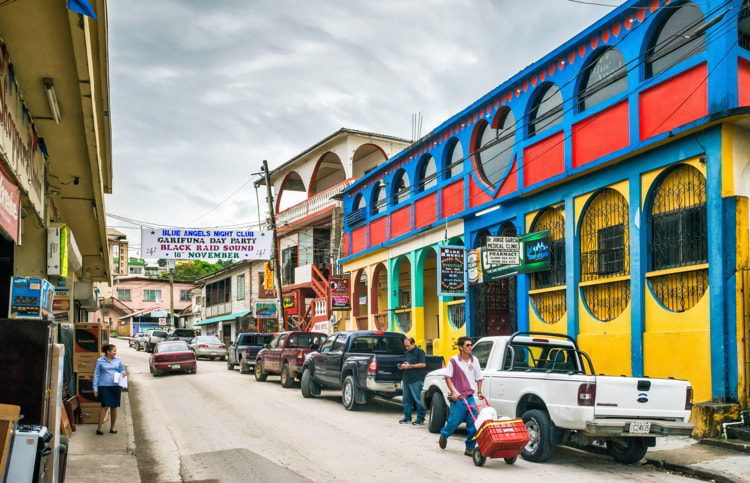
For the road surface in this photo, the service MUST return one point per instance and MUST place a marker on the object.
(219, 425)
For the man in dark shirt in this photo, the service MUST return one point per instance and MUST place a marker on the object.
(413, 373)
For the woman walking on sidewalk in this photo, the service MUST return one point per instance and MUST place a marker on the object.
(109, 369)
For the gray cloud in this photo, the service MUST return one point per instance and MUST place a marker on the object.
(203, 91)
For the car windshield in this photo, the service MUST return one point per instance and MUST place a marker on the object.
(208, 339)
(177, 346)
(305, 340)
(182, 333)
(158, 333)
(378, 344)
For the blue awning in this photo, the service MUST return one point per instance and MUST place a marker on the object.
(222, 318)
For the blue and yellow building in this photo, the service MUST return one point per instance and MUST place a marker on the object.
(630, 143)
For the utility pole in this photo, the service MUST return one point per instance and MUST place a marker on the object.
(170, 267)
(276, 256)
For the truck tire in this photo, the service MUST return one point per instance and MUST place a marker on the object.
(309, 387)
(287, 380)
(627, 451)
(230, 366)
(260, 374)
(438, 413)
(539, 448)
(244, 367)
(350, 394)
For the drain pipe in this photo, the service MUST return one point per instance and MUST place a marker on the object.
(725, 425)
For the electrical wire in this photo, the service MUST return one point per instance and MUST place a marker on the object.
(222, 201)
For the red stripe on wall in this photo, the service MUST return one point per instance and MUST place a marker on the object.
(743, 80)
(453, 198)
(379, 231)
(426, 211)
(544, 159)
(345, 245)
(510, 184)
(673, 102)
(401, 221)
(477, 196)
(359, 239)
(601, 134)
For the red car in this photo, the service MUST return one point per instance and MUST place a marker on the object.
(285, 355)
(172, 356)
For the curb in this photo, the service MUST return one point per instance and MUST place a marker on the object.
(741, 447)
(129, 424)
(688, 471)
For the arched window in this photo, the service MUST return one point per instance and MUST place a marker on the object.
(494, 147)
(401, 187)
(379, 198)
(454, 159)
(604, 78)
(547, 110)
(550, 305)
(675, 41)
(744, 25)
(427, 173)
(359, 206)
(605, 255)
(679, 238)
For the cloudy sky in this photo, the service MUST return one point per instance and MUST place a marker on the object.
(204, 90)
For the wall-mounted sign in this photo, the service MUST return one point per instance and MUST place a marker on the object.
(10, 207)
(502, 250)
(451, 274)
(534, 256)
(341, 296)
(57, 250)
(198, 244)
(474, 266)
(158, 313)
(290, 302)
(266, 309)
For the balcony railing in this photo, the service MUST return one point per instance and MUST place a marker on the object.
(314, 204)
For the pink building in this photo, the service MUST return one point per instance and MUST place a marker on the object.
(139, 303)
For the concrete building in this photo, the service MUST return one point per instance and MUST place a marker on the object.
(118, 250)
(308, 191)
(628, 144)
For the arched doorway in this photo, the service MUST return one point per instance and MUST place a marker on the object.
(366, 157)
(430, 298)
(359, 302)
(403, 298)
(379, 296)
(291, 192)
(327, 173)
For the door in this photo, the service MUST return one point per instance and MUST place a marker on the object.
(333, 361)
(272, 357)
(319, 358)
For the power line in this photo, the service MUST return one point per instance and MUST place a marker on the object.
(222, 201)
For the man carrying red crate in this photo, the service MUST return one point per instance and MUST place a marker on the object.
(464, 379)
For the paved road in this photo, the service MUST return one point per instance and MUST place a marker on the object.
(219, 425)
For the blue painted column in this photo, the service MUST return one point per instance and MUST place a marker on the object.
(638, 267)
(523, 285)
(572, 264)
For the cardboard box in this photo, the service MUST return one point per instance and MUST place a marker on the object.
(90, 413)
(30, 298)
(84, 362)
(85, 384)
(88, 338)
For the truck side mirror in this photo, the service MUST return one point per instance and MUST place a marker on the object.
(314, 346)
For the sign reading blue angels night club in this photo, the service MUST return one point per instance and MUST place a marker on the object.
(451, 271)
(533, 255)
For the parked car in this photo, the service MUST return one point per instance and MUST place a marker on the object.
(208, 346)
(546, 380)
(133, 341)
(153, 337)
(186, 335)
(242, 352)
(362, 364)
(172, 356)
(140, 341)
(285, 356)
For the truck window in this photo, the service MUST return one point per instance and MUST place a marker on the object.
(275, 342)
(303, 340)
(541, 358)
(482, 352)
(326, 347)
(338, 346)
(378, 344)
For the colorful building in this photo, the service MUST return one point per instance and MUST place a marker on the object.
(630, 143)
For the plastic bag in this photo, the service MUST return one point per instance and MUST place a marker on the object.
(486, 414)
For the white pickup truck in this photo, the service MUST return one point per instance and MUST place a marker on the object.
(546, 380)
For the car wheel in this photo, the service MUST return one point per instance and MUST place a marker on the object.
(230, 366)
(308, 387)
(244, 367)
(539, 448)
(511, 461)
(627, 450)
(287, 380)
(260, 374)
(477, 457)
(194, 370)
(438, 412)
(349, 394)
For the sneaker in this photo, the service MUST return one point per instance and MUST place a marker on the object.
(442, 442)
(404, 421)
(418, 423)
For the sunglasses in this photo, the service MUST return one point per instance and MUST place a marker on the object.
(468, 344)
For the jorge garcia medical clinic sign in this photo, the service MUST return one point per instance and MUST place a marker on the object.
(196, 244)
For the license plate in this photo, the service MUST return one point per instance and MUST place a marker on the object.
(175, 366)
(640, 428)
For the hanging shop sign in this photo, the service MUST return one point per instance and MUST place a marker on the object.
(266, 309)
(341, 296)
(289, 301)
(502, 250)
(533, 256)
(21, 149)
(197, 244)
(10, 206)
(57, 250)
(451, 271)
(474, 266)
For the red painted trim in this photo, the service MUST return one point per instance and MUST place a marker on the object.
(452, 199)
(425, 211)
(477, 196)
(743, 81)
(379, 231)
(601, 134)
(544, 159)
(304, 221)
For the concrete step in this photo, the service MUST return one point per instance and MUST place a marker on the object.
(741, 432)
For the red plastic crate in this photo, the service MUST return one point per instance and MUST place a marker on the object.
(502, 439)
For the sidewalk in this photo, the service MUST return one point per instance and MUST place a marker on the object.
(111, 457)
(706, 461)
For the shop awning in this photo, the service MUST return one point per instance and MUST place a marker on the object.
(222, 318)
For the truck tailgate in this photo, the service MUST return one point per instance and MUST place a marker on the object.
(388, 370)
(633, 397)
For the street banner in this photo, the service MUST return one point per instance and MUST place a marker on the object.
(199, 244)
(474, 266)
(451, 271)
(533, 256)
(266, 309)
(341, 296)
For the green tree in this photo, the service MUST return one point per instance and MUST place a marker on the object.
(194, 270)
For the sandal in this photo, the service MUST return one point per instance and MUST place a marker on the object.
(99, 432)
(113, 431)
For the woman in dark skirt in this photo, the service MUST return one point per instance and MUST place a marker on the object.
(105, 386)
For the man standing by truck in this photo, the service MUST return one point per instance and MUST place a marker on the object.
(464, 379)
(413, 373)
